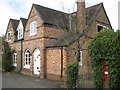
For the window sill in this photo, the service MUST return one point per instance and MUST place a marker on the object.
(14, 65)
(27, 66)
(80, 64)
(20, 38)
(9, 41)
(32, 34)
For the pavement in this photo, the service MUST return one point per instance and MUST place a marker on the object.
(17, 80)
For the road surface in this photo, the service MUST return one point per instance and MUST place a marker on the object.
(15, 80)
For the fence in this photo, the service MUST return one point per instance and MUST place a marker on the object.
(86, 80)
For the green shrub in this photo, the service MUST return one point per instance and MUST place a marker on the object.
(105, 46)
(7, 59)
(72, 75)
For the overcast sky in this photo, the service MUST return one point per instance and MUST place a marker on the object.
(21, 8)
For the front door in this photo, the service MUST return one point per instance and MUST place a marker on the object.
(37, 62)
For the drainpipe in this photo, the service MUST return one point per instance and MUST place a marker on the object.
(61, 62)
(44, 63)
(21, 53)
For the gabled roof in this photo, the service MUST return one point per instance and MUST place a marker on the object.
(52, 17)
(24, 21)
(14, 23)
(91, 14)
(61, 19)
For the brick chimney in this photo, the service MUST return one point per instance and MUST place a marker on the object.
(81, 15)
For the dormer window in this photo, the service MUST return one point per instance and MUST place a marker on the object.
(33, 28)
(20, 33)
(9, 36)
(100, 27)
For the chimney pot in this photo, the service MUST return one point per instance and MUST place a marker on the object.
(80, 1)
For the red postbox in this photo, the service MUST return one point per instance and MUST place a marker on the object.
(105, 69)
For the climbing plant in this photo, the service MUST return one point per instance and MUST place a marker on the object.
(105, 46)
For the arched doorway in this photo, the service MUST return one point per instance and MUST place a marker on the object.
(36, 62)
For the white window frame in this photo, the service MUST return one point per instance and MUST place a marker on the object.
(104, 27)
(20, 33)
(15, 59)
(33, 28)
(80, 62)
(9, 37)
(27, 59)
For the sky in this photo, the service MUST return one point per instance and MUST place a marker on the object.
(16, 9)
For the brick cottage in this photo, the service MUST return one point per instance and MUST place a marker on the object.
(43, 44)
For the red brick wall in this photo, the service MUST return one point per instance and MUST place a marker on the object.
(53, 58)
(10, 28)
(16, 47)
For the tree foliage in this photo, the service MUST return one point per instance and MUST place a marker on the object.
(6, 58)
(105, 46)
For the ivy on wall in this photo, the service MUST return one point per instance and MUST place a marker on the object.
(105, 46)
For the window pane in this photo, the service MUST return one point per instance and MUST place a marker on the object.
(9, 35)
(27, 57)
(33, 28)
(80, 62)
(29, 61)
(100, 28)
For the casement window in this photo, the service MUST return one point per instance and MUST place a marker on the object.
(100, 27)
(9, 36)
(80, 62)
(20, 33)
(33, 28)
(15, 59)
(27, 59)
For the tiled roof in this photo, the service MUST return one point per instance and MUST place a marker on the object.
(53, 17)
(61, 19)
(91, 13)
(24, 22)
(14, 23)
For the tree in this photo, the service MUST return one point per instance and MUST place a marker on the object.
(6, 57)
(77, 30)
(105, 46)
